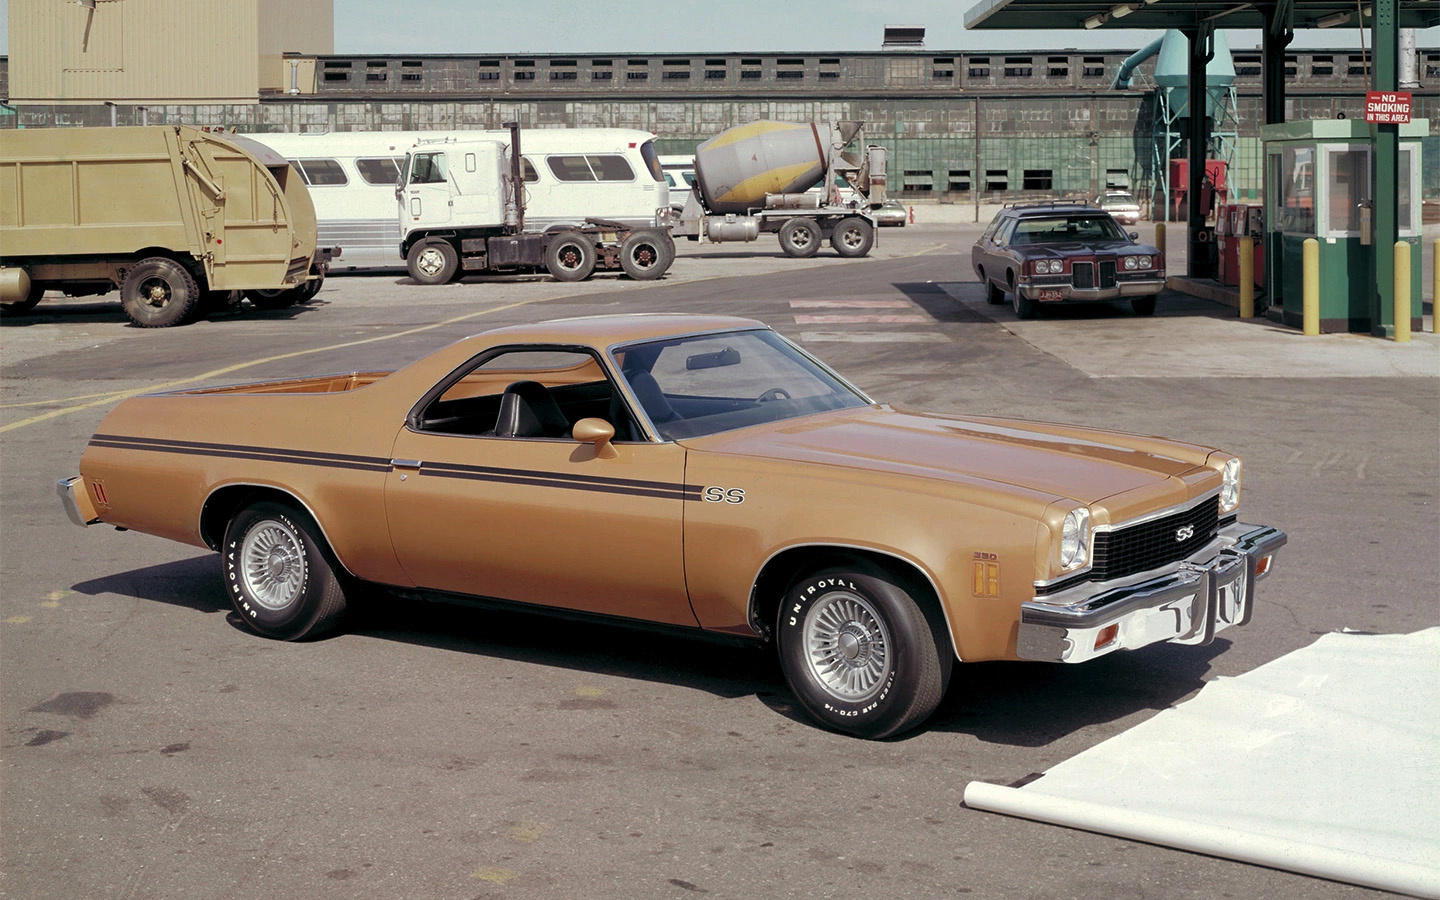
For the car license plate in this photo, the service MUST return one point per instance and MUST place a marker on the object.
(1051, 295)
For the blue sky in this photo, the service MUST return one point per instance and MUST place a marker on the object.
(690, 26)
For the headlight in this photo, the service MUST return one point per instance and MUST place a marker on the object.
(1145, 262)
(1056, 266)
(1075, 539)
(1230, 485)
(1131, 262)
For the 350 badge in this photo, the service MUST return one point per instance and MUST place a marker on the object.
(724, 495)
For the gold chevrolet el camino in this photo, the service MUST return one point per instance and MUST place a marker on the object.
(696, 472)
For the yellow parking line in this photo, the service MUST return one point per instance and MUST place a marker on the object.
(213, 373)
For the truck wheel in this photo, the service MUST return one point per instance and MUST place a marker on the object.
(268, 299)
(859, 653)
(1143, 306)
(853, 237)
(800, 238)
(312, 287)
(570, 257)
(432, 261)
(158, 292)
(279, 574)
(646, 255)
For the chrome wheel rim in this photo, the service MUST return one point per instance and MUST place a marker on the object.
(571, 256)
(800, 237)
(644, 256)
(430, 261)
(272, 564)
(852, 238)
(847, 646)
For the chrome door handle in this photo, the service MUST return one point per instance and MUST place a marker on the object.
(405, 463)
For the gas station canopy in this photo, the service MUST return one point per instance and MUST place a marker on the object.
(1159, 14)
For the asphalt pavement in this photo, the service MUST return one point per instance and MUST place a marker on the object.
(154, 748)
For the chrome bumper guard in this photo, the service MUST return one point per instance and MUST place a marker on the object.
(1073, 294)
(1187, 602)
(66, 488)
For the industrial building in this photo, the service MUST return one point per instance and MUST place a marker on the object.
(962, 128)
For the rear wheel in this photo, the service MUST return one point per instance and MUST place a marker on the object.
(860, 653)
(853, 237)
(432, 261)
(1143, 306)
(646, 255)
(279, 574)
(275, 299)
(570, 257)
(158, 292)
(800, 238)
(993, 292)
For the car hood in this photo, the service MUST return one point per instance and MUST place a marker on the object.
(1062, 461)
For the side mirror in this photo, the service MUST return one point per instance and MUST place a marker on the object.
(1134, 235)
(598, 432)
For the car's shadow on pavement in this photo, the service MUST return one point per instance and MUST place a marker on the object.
(1017, 704)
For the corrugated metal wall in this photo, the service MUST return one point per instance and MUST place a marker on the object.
(287, 26)
(152, 51)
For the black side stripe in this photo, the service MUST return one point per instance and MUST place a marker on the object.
(634, 487)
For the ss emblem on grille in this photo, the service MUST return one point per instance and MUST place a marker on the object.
(1184, 533)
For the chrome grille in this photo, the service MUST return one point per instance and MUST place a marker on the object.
(1148, 545)
(1082, 274)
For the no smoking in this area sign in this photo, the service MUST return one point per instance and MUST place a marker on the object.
(1387, 107)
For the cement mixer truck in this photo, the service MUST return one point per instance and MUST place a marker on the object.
(754, 179)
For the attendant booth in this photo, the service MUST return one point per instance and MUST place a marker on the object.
(1317, 185)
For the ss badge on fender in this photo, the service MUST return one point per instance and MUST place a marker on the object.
(715, 494)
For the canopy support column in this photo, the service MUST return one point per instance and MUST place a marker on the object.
(1202, 50)
(1384, 164)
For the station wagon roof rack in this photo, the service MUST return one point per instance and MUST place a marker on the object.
(1045, 204)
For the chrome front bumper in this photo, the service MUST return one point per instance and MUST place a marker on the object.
(1071, 294)
(76, 502)
(1187, 602)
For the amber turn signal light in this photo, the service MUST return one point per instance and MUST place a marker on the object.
(1107, 635)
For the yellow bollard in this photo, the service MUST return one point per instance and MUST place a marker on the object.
(1160, 238)
(1310, 287)
(1402, 292)
(1247, 277)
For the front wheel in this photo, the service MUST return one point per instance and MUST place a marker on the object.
(432, 261)
(800, 238)
(860, 654)
(570, 257)
(279, 574)
(1024, 306)
(158, 292)
(853, 237)
(646, 255)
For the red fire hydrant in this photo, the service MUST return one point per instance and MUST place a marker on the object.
(912, 215)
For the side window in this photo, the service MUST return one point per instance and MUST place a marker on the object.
(552, 390)
(428, 168)
(527, 170)
(611, 167)
(570, 168)
(381, 171)
(295, 164)
(323, 172)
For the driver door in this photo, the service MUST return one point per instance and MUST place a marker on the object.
(539, 520)
(427, 197)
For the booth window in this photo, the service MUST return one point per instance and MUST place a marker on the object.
(1349, 176)
(1297, 191)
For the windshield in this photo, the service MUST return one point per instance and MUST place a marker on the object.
(652, 160)
(705, 384)
(1067, 228)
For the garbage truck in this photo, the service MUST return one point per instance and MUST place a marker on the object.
(463, 206)
(174, 217)
(757, 179)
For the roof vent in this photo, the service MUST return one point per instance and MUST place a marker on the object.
(904, 37)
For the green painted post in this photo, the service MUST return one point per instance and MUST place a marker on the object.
(1384, 161)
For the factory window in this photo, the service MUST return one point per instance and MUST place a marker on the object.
(382, 170)
(676, 70)
(1322, 66)
(323, 172)
(790, 68)
(1247, 67)
(918, 180)
(487, 70)
(600, 70)
(1057, 67)
(564, 70)
(1092, 67)
(715, 69)
(375, 70)
(637, 70)
(829, 69)
(1432, 67)
(942, 68)
(524, 70)
(1291, 66)
(1038, 179)
(749, 69)
(337, 71)
(1358, 65)
(997, 180)
(595, 167)
(979, 67)
(1019, 67)
(959, 180)
(411, 70)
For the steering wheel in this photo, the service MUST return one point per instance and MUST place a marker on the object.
(774, 393)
